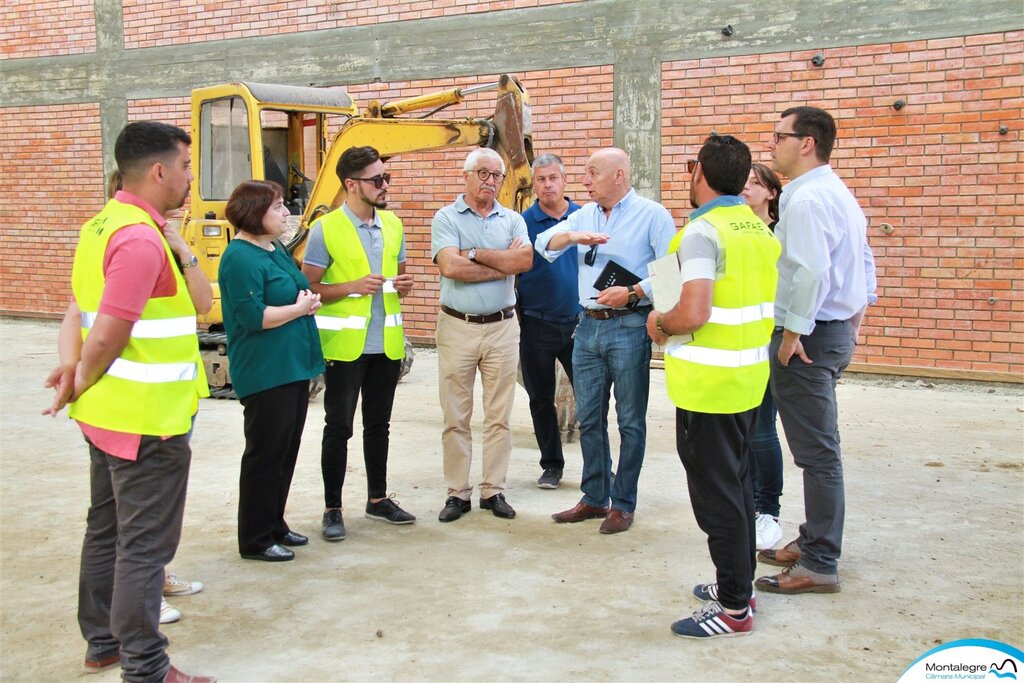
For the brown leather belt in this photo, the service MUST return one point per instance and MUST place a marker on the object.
(503, 314)
(606, 313)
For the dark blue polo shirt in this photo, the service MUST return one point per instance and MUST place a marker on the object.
(549, 289)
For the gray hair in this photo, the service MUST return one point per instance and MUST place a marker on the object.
(479, 154)
(547, 159)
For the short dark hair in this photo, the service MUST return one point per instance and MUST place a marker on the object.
(815, 123)
(725, 163)
(770, 180)
(355, 159)
(142, 143)
(249, 203)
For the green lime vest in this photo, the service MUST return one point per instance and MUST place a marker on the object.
(153, 387)
(725, 368)
(343, 323)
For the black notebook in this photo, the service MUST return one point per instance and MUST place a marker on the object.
(614, 275)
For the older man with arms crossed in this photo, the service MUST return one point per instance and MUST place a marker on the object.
(611, 346)
(131, 372)
(550, 307)
(826, 280)
(717, 379)
(479, 246)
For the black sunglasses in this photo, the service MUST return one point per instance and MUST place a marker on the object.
(589, 257)
(377, 180)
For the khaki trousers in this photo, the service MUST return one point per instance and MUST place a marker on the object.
(462, 348)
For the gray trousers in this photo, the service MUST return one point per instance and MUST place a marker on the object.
(806, 399)
(132, 533)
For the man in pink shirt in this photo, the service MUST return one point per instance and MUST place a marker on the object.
(133, 384)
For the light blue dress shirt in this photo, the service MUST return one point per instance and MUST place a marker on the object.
(827, 270)
(639, 231)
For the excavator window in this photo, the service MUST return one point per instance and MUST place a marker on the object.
(224, 157)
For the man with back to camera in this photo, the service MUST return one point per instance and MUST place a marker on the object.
(717, 379)
(479, 246)
(611, 348)
(355, 260)
(132, 376)
(826, 281)
(550, 308)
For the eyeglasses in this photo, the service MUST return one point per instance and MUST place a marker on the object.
(377, 180)
(484, 174)
(691, 166)
(777, 137)
(588, 258)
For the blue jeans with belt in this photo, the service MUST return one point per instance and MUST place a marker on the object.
(612, 355)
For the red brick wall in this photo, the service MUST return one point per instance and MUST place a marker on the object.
(51, 161)
(45, 28)
(165, 22)
(938, 172)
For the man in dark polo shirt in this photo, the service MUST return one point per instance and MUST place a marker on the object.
(550, 307)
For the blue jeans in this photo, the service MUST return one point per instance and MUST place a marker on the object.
(766, 459)
(613, 353)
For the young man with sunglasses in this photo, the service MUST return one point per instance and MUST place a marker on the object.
(826, 281)
(355, 261)
(611, 346)
(479, 246)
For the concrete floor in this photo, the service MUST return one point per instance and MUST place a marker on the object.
(933, 552)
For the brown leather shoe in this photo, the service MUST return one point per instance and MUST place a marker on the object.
(579, 513)
(175, 676)
(780, 557)
(616, 522)
(796, 579)
(102, 661)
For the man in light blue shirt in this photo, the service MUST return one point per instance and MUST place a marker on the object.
(611, 346)
(826, 280)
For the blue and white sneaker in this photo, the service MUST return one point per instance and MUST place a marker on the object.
(709, 591)
(711, 622)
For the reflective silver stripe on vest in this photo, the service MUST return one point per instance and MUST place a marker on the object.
(165, 328)
(152, 373)
(393, 320)
(742, 316)
(719, 357)
(330, 322)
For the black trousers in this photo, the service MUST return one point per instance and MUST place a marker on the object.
(273, 420)
(373, 376)
(715, 451)
(541, 344)
(132, 532)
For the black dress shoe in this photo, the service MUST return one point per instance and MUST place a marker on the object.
(293, 539)
(454, 508)
(275, 553)
(498, 506)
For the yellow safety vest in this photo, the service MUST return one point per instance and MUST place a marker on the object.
(153, 387)
(724, 369)
(343, 323)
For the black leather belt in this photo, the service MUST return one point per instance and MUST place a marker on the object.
(547, 317)
(503, 314)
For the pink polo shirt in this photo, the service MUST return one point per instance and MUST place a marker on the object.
(136, 269)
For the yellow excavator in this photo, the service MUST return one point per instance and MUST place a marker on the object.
(295, 135)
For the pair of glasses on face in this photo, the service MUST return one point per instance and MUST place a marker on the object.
(777, 137)
(377, 180)
(484, 174)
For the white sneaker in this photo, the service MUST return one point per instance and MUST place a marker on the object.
(174, 586)
(168, 614)
(768, 532)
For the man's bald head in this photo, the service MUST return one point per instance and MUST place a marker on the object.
(607, 176)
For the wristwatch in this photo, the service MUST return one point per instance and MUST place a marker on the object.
(633, 299)
(471, 254)
(191, 263)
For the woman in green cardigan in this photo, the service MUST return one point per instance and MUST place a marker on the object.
(274, 351)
